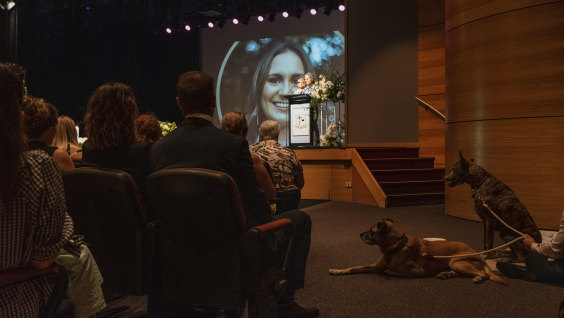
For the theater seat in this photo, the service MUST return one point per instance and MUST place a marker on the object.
(207, 258)
(55, 306)
(107, 209)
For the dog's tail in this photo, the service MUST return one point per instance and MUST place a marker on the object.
(493, 276)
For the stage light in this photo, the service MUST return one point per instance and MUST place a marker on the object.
(313, 12)
(342, 7)
(87, 8)
(260, 18)
(187, 27)
(285, 14)
(210, 25)
(168, 30)
(235, 21)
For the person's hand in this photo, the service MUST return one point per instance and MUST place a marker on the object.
(528, 241)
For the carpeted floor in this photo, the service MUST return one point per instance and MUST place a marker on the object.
(336, 244)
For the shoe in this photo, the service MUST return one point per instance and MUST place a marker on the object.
(514, 271)
(296, 311)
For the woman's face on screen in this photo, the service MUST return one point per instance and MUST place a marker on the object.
(285, 70)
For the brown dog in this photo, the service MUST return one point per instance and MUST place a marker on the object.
(407, 256)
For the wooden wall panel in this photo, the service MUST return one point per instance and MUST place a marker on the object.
(341, 173)
(361, 194)
(431, 78)
(460, 12)
(317, 181)
(432, 130)
(527, 154)
(431, 58)
(507, 66)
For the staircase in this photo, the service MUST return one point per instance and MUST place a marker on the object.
(405, 178)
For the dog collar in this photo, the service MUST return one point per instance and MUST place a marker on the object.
(399, 244)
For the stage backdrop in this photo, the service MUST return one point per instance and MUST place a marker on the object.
(254, 69)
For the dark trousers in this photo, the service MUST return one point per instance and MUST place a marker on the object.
(544, 270)
(298, 256)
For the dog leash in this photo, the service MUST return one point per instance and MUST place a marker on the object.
(522, 236)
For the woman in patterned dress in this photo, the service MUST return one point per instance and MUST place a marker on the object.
(32, 206)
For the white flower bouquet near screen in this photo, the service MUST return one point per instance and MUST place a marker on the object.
(334, 137)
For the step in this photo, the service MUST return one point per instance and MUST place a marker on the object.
(408, 174)
(415, 199)
(388, 152)
(400, 163)
(413, 187)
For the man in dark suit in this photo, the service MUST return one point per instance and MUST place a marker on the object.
(197, 143)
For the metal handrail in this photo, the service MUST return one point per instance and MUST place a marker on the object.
(430, 108)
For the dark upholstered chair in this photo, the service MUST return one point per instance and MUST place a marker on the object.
(206, 256)
(55, 306)
(107, 209)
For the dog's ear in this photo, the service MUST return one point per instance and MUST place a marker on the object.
(463, 163)
(381, 226)
(388, 219)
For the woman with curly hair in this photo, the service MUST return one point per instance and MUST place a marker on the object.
(39, 122)
(147, 128)
(110, 114)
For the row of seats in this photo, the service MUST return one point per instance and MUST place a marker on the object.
(189, 245)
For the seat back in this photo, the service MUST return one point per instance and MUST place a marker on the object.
(106, 208)
(201, 225)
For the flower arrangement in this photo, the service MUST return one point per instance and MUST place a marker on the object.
(167, 127)
(334, 135)
(330, 87)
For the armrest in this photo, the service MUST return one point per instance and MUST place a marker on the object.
(24, 274)
(273, 226)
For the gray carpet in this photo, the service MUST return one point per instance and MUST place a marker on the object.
(336, 244)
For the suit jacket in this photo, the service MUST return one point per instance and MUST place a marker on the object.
(197, 143)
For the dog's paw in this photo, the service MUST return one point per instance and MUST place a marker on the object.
(478, 279)
(334, 271)
(446, 275)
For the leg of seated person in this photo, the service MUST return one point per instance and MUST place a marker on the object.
(301, 223)
(85, 282)
(545, 270)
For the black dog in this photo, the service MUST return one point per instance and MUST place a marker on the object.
(501, 199)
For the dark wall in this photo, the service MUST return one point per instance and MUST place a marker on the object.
(381, 71)
(69, 53)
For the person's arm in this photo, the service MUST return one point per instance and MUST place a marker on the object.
(63, 160)
(48, 238)
(553, 249)
(263, 178)
(255, 203)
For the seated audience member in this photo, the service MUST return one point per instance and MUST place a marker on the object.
(34, 226)
(544, 263)
(147, 128)
(197, 143)
(109, 119)
(66, 138)
(300, 84)
(287, 172)
(235, 122)
(39, 122)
